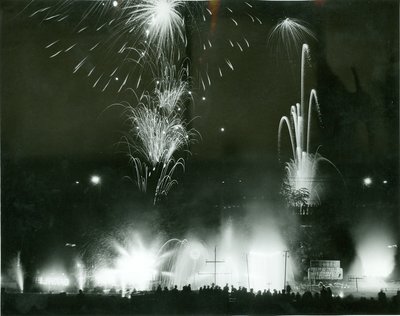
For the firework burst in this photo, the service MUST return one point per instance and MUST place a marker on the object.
(160, 21)
(288, 35)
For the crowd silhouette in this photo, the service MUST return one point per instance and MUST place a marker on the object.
(211, 299)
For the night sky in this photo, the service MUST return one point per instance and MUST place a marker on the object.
(57, 129)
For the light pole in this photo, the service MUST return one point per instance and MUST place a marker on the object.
(286, 254)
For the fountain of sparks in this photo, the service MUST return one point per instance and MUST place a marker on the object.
(157, 131)
(19, 273)
(301, 186)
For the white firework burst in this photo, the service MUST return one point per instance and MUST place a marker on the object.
(160, 21)
(288, 35)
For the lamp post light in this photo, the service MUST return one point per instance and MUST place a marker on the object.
(367, 181)
(95, 179)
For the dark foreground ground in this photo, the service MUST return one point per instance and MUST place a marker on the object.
(197, 302)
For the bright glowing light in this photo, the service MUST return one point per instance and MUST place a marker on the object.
(384, 181)
(137, 269)
(106, 277)
(265, 269)
(58, 280)
(115, 3)
(76, 182)
(375, 258)
(222, 129)
(367, 181)
(95, 179)
(203, 98)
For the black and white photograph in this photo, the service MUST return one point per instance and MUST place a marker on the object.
(200, 157)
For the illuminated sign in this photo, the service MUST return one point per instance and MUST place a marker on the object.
(325, 270)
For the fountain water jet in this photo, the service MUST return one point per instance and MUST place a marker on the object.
(19, 273)
(301, 171)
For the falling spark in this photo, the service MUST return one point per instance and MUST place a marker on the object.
(91, 70)
(251, 17)
(52, 17)
(82, 29)
(228, 62)
(39, 11)
(97, 81)
(54, 55)
(69, 48)
(124, 83)
(63, 18)
(105, 87)
(94, 46)
(51, 44)
(79, 65)
(138, 82)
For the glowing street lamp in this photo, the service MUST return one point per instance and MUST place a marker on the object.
(367, 181)
(95, 180)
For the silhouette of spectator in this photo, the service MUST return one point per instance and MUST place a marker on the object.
(288, 288)
(382, 297)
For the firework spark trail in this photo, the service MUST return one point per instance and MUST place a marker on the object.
(302, 170)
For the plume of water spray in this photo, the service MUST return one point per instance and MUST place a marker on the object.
(302, 170)
(19, 273)
(80, 274)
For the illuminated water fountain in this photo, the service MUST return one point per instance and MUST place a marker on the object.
(301, 176)
(19, 273)
(254, 261)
